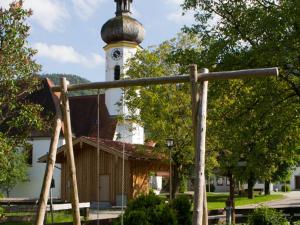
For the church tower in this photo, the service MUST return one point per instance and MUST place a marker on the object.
(122, 35)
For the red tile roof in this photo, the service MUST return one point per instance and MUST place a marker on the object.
(83, 111)
(131, 151)
(84, 117)
(135, 151)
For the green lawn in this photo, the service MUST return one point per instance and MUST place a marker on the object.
(58, 217)
(217, 201)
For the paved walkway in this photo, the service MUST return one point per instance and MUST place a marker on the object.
(104, 214)
(291, 199)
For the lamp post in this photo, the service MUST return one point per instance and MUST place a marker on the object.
(170, 144)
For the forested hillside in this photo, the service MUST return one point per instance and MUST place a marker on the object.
(74, 79)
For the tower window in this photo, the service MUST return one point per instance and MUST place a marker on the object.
(117, 72)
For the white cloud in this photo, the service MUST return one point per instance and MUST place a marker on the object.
(50, 14)
(67, 54)
(86, 8)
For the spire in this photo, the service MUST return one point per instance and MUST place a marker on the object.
(123, 7)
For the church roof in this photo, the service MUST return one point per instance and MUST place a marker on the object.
(83, 110)
(122, 27)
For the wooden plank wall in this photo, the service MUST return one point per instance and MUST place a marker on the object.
(140, 174)
(86, 167)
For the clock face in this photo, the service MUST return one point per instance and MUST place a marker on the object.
(116, 54)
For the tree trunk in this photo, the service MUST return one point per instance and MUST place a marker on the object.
(231, 196)
(175, 181)
(267, 187)
(250, 188)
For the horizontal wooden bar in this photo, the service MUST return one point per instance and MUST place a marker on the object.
(67, 206)
(239, 74)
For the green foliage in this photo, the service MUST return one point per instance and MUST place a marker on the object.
(212, 188)
(136, 217)
(267, 216)
(145, 202)
(296, 223)
(148, 209)
(165, 110)
(285, 188)
(182, 205)
(73, 79)
(18, 116)
(183, 185)
(1, 212)
(254, 121)
(13, 167)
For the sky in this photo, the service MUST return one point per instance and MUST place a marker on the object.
(66, 33)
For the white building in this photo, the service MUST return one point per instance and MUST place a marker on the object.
(32, 188)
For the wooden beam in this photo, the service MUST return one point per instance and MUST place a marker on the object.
(70, 152)
(200, 156)
(195, 97)
(239, 74)
(42, 206)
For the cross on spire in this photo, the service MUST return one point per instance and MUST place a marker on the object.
(123, 6)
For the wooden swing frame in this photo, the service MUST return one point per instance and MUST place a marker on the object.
(199, 90)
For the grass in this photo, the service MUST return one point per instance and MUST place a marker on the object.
(58, 217)
(217, 201)
(16, 223)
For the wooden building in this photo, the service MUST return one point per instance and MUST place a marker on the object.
(139, 162)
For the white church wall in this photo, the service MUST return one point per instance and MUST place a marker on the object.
(129, 133)
(113, 96)
(32, 188)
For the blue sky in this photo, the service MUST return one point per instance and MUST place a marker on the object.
(66, 33)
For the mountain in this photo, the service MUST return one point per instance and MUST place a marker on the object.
(73, 79)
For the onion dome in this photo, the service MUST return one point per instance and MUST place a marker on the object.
(123, 27)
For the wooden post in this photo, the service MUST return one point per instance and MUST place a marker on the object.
(200, 137)
(70, 153)
(205, 209)
(42, 206)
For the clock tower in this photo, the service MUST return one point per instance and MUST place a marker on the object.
(122, 35)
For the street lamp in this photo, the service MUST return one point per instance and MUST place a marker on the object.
(170, 144)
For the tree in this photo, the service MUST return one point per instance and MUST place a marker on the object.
(164, 110)
(18, 116)
(240, 34)
(248, 27)
(13, 167)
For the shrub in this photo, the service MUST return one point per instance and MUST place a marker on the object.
(144, 202)
(285, 188)
(161, 215)
(136, 217)
(148, 210)
(297, 222)
(182, 206)
(267, 216)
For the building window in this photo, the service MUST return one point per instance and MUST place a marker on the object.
(220, 181)
(227, 182)
(117, 72)
(29, 152)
